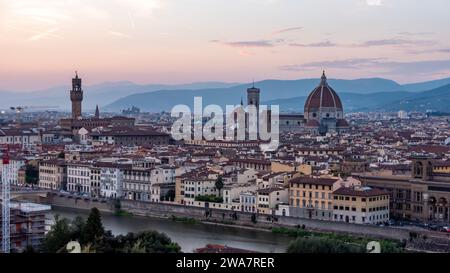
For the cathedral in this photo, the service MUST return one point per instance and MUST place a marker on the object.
(323, 113)
(323, 110)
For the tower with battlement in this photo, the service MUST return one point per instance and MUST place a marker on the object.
(76, 96)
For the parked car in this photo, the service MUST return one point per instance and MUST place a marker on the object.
(433, 227)
(445, 229)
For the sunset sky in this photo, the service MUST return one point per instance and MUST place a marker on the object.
(42, 42)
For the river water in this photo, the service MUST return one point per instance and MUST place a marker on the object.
(188, 236)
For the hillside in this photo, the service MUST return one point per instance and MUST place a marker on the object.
(271, 90)
(102, 94)
(437, 100)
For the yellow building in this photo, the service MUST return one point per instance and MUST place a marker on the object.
(360, 205)
(291, 167)
(312, 197)
(53, 174)
(441, 167)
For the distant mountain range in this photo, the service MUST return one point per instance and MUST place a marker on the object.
(357, 95)
(437, 99)
(101, 94)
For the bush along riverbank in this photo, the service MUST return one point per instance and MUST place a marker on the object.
(324, 242)
(123, 213)
(184, 219)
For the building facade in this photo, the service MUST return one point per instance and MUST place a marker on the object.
(423, 195)
(360, 205)
(79, 178)
(312, 197)
(53, 174)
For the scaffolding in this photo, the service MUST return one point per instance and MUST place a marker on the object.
(6, 175)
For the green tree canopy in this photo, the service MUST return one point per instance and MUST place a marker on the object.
(322, 245)
(57, 238)
(31, 174)
(94, 239)
(94, 229)
(219, 184)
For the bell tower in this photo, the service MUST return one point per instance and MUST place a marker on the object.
(76, 96)
(253, 96)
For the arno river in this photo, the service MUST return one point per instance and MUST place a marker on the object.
(188, 236)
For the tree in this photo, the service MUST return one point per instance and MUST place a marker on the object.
(151, 242)
(57, 238)
(62, 155)
(77, 228)
(117, 204)
(209, 198)
(29, 249)
(93, 231)
(94, 239)
(31, 174)
(170, 195)
(322, 245)
(219, 184)
(254, 218)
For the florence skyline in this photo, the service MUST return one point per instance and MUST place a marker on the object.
(183, 41)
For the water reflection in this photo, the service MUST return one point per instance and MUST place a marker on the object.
(188, 236)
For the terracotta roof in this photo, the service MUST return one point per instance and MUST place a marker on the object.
(342, 123)
(269, 190)
(322, 96)
(361, 192)
(314, 181)
(441, 163)
(312, 123)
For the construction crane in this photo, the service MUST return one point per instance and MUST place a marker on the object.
(6, 202)
(18, 110)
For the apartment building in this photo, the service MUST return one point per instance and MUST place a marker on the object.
(95, 181)
(137, 184)
(53, 174)
(312, 197)
(269, 198)
(248, 202)
(360, 205)
(79, 178)
(111, 180)
(195, 183)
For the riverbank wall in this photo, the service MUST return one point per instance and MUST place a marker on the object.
(261, 221)
(64, 201)
(227, 217)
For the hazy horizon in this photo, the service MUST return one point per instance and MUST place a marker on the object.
(172, 42)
